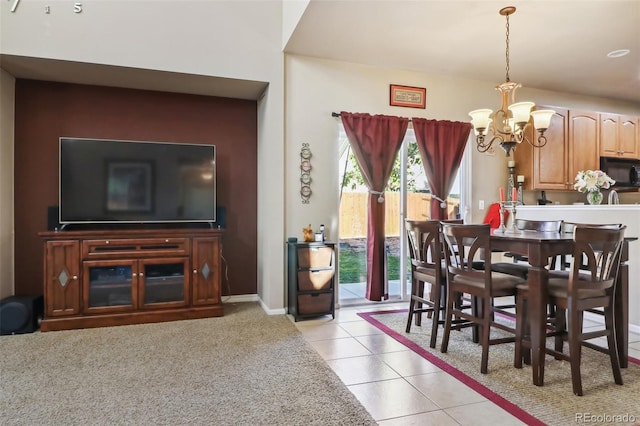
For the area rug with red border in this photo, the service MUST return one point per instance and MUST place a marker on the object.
(603, 401)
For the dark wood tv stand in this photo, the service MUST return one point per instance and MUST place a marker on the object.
(97, 278)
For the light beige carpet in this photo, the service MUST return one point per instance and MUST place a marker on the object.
(603, 402)
(245, 368)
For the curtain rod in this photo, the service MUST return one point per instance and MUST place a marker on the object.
(337, 114)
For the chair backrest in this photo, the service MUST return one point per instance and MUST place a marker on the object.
(463, 244)
(424, 243)
(539, 225)
(597, 250)
(569, 227)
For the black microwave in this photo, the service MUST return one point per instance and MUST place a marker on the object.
(625, 171)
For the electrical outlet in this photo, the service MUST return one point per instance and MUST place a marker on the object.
(481, 204)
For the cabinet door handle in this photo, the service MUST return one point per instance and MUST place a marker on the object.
(195, 271)
(134, 275)
(75, 277)
(141, 274)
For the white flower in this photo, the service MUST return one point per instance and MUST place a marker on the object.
(592, 180)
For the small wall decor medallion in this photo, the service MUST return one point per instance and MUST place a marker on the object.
(305, 173)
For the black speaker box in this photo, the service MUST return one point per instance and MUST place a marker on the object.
(20, 314)
(221, 217)
(52, 218)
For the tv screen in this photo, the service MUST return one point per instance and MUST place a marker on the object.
(110, 181)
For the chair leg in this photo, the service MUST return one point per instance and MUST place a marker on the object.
(476, 311)
(613, 345)
(435, 318)
(575, 349)
(521, 317)
(560, 327)
(420, 293)
(415, 288)
(447, 321)
(412, 303)
(486, 330)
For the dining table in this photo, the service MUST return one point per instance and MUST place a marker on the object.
(540, 248)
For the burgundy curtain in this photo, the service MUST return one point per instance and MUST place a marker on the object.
(375, 141)
(441, 145)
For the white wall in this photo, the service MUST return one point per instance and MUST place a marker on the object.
(235, 39)
(6, 184)
(292, 11)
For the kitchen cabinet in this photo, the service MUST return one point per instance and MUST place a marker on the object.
(584, 130)
(619, 135)
(572, 145)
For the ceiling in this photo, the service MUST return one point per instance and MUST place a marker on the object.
(558, 45)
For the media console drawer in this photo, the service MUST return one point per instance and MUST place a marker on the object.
(108, 248)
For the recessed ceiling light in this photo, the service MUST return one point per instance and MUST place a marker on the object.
(618, 53)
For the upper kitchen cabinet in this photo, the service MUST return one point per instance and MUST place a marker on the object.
(546, 167)
(619, 136)
(584, 132)
(572, 145)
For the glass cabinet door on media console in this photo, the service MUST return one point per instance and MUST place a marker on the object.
(108, 285)
(121, 285)
(163, 282)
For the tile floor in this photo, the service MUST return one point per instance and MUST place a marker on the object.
(396, 385)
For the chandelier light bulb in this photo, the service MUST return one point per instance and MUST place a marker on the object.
(542, 118)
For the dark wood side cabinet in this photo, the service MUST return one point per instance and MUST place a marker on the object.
(117, 277)
(311, 279)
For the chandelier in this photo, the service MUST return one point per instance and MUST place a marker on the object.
(508, 125)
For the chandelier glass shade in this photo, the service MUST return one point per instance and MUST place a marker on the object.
(508, 124)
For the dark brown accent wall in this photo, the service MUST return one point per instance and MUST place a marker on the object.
(45, 111)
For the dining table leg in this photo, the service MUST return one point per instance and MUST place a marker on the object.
(537, 310)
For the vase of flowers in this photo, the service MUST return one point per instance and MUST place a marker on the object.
(592, 182)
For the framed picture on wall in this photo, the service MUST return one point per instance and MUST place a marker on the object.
(129, 186)
(407, 96)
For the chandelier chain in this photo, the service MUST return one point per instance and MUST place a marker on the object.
(507, 52)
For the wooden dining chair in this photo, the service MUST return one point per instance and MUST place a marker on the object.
(463, 243)
(590, 284)
(427, 266)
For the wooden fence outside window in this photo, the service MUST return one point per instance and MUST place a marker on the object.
(353, 212)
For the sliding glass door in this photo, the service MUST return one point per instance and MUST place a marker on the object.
(406, 196)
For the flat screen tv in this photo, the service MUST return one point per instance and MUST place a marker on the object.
(115, 181)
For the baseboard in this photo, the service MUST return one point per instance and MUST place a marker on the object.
(254, 298)
(241, 298)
